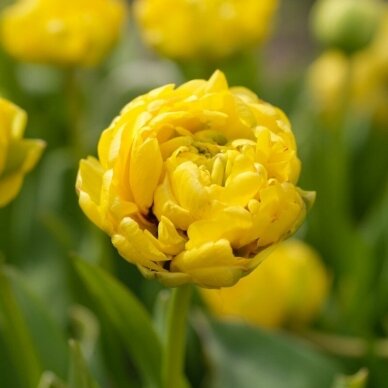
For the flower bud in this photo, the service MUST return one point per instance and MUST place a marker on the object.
(195, 183)
(348, 25)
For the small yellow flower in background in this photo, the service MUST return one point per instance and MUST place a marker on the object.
(65, 33)
(194, 183)
(368, 79)
(326, 80)
(17, 155)
(188, 29)
(289, 288)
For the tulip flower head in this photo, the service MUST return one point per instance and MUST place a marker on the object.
(289, 288)
(17, 155)
(195, 183)
(63, 33)
(210, 29)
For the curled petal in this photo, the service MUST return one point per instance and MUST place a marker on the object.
(165, 204)
(211, 265)
(135, 246)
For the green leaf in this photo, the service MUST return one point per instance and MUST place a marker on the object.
(16, 336)
(245, 357)
(47, 336)
(358, 380)
(79, 375)
(128, 317)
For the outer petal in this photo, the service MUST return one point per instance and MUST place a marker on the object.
(89, 185)
(169, 279)
(12, 120)
(211, 265)
(22, 157)
(279, 214)
(135, 246)
(9, 188)
(145, 169)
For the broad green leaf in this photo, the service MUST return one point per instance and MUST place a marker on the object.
(129, 318)
(7, 369)
(16, 336)
(244, 356)
(79, 375)
(358, 380)
(47, 336)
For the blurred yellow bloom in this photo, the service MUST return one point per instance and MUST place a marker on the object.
(187, 29)
(17, 155)
(290, 287)
(66, 33)
(194, 183)
(366, 73)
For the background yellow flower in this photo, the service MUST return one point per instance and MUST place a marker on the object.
(17, 155)
(187, 29)
(360, 79)
(289, 288)
(194, 183)
(72, 32)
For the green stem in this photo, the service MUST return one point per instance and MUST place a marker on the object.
(174, 356)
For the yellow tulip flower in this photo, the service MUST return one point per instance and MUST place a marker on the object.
(290, 287)
(187, 29)
(17, 155)
(65, 33)
(194, 183)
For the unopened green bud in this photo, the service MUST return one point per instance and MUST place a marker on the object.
(349, 25)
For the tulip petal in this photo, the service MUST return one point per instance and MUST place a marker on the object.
(189, 190)
(211, 265)
(89, 178)
(217, 82)
(166, 204)
(171, 241)
(169, 279)
(242, 188)
(89, 186)
(22, 156)
(12, 120)
(9, 188)
(231, 224)
(135, 246)
(144, 171)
